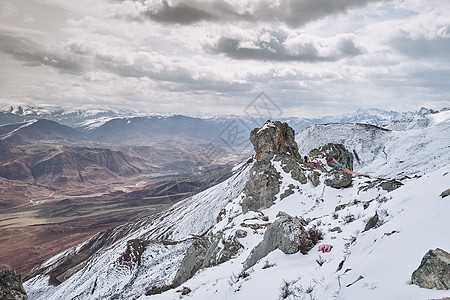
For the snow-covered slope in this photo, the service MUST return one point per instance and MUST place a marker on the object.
(109, 275)
(387, 153)
(412, 220)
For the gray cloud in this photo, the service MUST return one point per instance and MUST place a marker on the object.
(181, 14)
(283, 46)
(294, 13)
(33, 55)
(423, 48)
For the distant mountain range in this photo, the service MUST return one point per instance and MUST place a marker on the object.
(90, 117)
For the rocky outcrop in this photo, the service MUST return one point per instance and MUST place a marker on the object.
(289, 191)
(445, 193)
(314, 177)
(11, 287)
(261, 187)
(338, 152)
(434, 270)
(381, 183)
(193, 260)
(339, 179)
(286, 234)
(372, 222)
(274, 138)
(290, 165)
(206, 252)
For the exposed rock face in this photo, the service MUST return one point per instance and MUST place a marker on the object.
(274, 138)
(339, 179)
(380, 183)
(314, 177)
(262, 186)
(286, 234)
(205, 252)
(192, 261)
(290, 165)
(372, 222)
(289, 191)
(11, 287)
(434, 270)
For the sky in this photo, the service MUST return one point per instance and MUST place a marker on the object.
(310, 57)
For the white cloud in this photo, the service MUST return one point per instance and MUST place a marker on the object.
(317, 56)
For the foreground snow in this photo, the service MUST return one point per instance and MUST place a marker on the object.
(416, 220)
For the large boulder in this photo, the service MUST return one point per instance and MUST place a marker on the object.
(193, 260)
(11, 287)
(206, 252)
(286, 234)
(274, 138)
(338, 152)
(434, 270)
(339, 179)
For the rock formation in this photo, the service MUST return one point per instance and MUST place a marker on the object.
(338, 152)
(11, 287)
(274, 138)
(261, 187)
(434, 270)
(206, 252)
(286, 234)
(339, 179)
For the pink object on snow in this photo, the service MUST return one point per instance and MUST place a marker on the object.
(325, 248)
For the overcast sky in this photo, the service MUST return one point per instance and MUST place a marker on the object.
(311, 57)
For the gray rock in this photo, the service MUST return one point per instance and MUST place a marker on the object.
(286, 234)
(339, 179)
(445, 193)
(434, 270)
(282, 214)
(287, 192)
(336, 229)
(372, 222)
(11, 287)
(206, 252)
(241, 233)
(390, 185)
(185, 291)
(261, 187)
(274, 138)
(385, 184)
(340, 207)
(339, 153)
(290, 165)
(314, 178)
(192, 261)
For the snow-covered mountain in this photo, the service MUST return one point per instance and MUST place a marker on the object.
(412, 150)
(220, 243)
(90, 117)
(83, 116)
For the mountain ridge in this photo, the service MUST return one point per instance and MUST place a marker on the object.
(150, 252)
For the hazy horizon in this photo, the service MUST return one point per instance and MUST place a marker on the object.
(214, 57)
